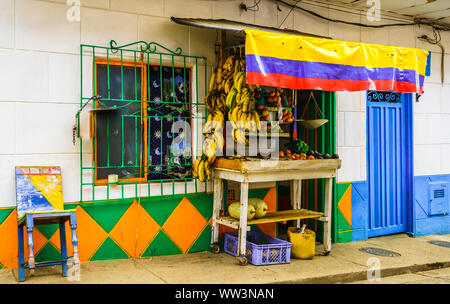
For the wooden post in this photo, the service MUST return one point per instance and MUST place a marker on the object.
(242, 234)
(30, 243)
(21, 254)
(217, 204)
(297, 197)
(221, 41)
(327, 214)
(73, 227)
(63, 244)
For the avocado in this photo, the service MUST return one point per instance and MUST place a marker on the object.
(326, 156)
(335, 156)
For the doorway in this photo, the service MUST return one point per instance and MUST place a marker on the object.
(389, 162)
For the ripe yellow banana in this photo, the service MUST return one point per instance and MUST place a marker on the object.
(212, 82)
(257, 121)
(195, 166)
(208, 171)
(201, 171)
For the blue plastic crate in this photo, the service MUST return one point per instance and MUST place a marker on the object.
(261, 249)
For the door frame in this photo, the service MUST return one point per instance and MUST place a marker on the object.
(408, 159)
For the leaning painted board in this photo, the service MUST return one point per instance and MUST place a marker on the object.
(38, 189)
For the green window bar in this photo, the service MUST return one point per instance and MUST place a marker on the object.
(141, 93)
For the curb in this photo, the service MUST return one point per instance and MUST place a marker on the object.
(362, 275)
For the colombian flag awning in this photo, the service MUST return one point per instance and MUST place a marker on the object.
(309, 63)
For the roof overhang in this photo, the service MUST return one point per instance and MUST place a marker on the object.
(224, 24)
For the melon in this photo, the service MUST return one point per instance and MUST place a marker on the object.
(260, 206)
(234, 210)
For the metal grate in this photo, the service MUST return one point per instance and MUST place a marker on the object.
(379, 252)
(439, 193)
(145, 122)
(440, 243)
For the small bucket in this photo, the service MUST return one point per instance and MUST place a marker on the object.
(303, 244)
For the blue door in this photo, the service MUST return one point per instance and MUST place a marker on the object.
(388, 170)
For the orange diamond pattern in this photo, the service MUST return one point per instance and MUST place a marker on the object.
(90, 234)
(8, 241)
(271, 200)
(135, 230)
(184, 225)
(55, 240)
(39, 240)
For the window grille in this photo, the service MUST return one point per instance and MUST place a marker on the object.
(146, 115)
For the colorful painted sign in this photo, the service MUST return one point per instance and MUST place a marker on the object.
(38, 189)
(309, 63)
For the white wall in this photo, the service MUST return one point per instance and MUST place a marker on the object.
(40, 86)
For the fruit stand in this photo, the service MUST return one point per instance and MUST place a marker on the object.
(257, 171)
(241, 117)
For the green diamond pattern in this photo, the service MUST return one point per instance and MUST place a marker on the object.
(342, 222)
(109, 250)
(203, 241)
(203, 203)
(107, 214)
(4, 213)
(48, 230)
(48, 253)
(161, 245)
(341, 188)
(161, 207)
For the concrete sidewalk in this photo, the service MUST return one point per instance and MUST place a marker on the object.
(345, 264)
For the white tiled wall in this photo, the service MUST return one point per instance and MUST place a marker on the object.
(39, 75)
(40, 72)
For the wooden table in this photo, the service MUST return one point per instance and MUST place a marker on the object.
(257, 171)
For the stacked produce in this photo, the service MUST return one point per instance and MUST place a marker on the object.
(298, 149)
(257, 208)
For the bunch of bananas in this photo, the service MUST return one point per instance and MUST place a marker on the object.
(241, 104)
(220, 85)
(202, 165)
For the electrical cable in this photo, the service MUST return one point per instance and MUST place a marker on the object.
(437, 41)
(251, 8)
(290, 11)
(417, 21)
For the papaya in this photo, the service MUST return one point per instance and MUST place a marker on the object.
(260, 206)
(234, 210)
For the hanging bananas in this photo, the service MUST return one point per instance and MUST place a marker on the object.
(228, 94)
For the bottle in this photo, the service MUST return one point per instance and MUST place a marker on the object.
(302, 230)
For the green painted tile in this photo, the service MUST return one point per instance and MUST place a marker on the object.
(344, 236)
(48, 230)
(161, 207)
(161, 245)
(107, 214)
(48, 253)
(341, 188)
(109, 250)
(203, 203)
(257, 193)
(342, 224)
(70, 206)
(203, 241)
(4, 213)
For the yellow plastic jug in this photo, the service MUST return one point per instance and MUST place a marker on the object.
(303, 244)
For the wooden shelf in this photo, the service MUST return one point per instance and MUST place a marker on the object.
(280, 134)
(273, 217)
